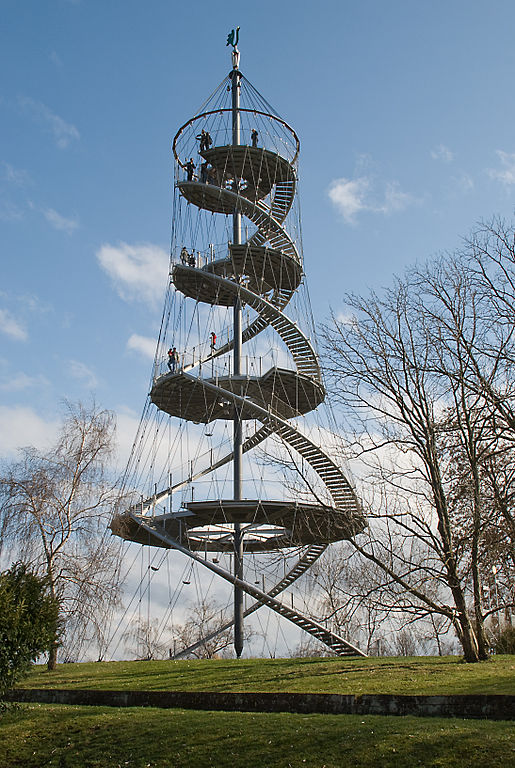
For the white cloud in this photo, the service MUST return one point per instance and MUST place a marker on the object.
(143, 344)
(11, 327)
(344, 318)
(394, 199)
(127, 424)
(16, 176)
(139, 272)
(55, 58)
(463, 182)
(349, 196)
(352, 196)
(60, 222)
(81, 372)
(9, 211)
(27, 301)
(506, 174)
(20, 381)
(21, 426)
(443, 153)
(63, 132)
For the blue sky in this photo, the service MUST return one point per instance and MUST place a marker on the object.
(405, 111)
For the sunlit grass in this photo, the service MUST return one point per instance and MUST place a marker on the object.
(420, 675)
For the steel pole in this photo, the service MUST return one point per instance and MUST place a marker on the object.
(237, 431)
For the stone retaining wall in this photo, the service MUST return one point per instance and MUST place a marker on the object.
(487, 706)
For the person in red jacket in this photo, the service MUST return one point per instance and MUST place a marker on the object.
(173, 360)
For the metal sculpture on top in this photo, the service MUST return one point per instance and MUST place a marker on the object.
(237, 206)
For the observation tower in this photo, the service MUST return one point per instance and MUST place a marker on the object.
(227, 466)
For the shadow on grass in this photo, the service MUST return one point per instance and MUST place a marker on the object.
(95, 737)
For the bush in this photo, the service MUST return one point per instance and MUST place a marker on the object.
(28, 622)
(504, 641)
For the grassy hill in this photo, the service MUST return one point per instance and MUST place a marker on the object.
(59, 736)
(101, 737)
(420, 675)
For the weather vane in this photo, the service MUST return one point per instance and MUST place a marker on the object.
(231, 37)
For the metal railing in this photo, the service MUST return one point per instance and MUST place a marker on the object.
(212, 367)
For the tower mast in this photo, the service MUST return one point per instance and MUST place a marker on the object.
(237, 430)
(238, 179)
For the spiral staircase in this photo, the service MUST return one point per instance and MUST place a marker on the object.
(256, 185)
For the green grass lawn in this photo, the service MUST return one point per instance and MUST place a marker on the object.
(33, 736)
(420, 675)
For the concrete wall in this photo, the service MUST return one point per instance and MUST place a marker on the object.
(494, 707)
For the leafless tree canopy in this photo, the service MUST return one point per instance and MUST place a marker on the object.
(54, 510)
(144, 640)
(424, 374)
(207, 631)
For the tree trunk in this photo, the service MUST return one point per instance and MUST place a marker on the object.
(52, 655)
(467, 639)
(462, 623)
(465, 629)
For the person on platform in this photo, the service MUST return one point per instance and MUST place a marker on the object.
(191, 259)
(203, 172)
(204, 140)
(190, 169)
(184, 255)
(173, 360)
(200, 139)
(254, 137)
(213, 341)
(207, 140)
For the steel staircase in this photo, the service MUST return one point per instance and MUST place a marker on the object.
(260, 185)
(301, 566)
(340, 645)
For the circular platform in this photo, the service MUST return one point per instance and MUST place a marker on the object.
(265, 269)
(258, 167)
(207, 118)
(286, 392)
(266, 525)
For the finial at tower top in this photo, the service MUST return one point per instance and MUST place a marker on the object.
(232, 39)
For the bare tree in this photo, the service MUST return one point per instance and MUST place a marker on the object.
(351, 595)
(437, 634)
(311, 649)
(412, 368)
(144, 639)
(405, 643)
(469, 303)
(53, 515)
(489, 258)
(207, 631)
